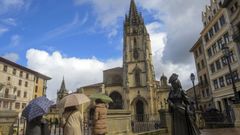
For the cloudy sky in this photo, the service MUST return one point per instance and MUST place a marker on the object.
(78, 39)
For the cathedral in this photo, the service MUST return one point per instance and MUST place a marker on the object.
(133, 86)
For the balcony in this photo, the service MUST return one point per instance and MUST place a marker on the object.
(7, 96)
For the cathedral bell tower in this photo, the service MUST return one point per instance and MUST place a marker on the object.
(138, 72)
(62, 91)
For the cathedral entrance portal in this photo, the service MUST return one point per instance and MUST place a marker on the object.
(139, 110)
(117, 101)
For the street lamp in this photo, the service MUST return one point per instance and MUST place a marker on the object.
(226, 53)
(192, 77)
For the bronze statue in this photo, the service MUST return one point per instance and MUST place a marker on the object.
(182, 122)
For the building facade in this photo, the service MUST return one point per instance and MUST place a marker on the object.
(203, 88)
(19, 85)
(133, 87)
(218, 33)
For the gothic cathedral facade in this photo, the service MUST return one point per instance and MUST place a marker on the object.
(133, 87)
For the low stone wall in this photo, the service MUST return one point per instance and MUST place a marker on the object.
(7, 119)
(119, 122)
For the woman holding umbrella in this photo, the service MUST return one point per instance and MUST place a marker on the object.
(33, 113)
(72, 117)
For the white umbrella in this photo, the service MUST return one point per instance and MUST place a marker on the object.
(73, 100)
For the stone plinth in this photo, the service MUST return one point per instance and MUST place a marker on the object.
(236, 108)
(7, 119)
(119, 122)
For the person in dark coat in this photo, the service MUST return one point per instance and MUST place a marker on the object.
(37, 126)
(182, 122)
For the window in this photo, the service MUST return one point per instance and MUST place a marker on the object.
(214, 48)
(14, 71)
(19, 93)
(207, 92)
(203, 64)
(36, 79)
(27, 75)
(216, 27)
(203, 93)
(200, 50)
(137, 78)
(201, 80)
(205, 78)
(25, 94)
(36, 89)
(9, 78)
(209, 52)
(14, 90)
(235, 76)
(212, 68)
(224, 61)
(226, 38)
(35, 96)
(198, 66)
(196, 53)
(218, 65)
(17, 105)
(220, 44)
(215, 83)
(6, 92)
(222, 20)
(228, 79)
(209, 18)
(211, 33)
(231, 57)
(5, 104)
(221, 81)
(214, 11)
(21, 73)
(206, 37)
(23, 105)
(5, 68)
(26, 84)
(20, 82)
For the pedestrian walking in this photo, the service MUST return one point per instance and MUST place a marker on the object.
(72, 117)
(100, 116)
(33, 113)
(37, 126)
(72, 121)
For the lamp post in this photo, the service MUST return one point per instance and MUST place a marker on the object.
(226, 53)
(192, 77)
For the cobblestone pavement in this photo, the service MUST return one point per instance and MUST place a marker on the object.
(221, 131)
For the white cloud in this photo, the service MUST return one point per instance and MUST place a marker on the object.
(3, 30)
(76, 71)
(9, 21)
(10, 5)
(15, 40)
(11, 56)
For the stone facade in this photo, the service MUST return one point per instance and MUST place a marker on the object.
(218, 32)
(133, 87)
(203, 87)
(20, 85)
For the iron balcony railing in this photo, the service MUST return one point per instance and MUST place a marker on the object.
(8, 96)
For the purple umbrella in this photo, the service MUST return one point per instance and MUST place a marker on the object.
(36, 107)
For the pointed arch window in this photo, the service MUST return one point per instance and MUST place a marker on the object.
(137, 76)
(135, 50)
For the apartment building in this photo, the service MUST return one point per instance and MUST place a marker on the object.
(19, 85)
(216, 34)
(203, 88)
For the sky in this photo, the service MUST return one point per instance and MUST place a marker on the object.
(78, 39)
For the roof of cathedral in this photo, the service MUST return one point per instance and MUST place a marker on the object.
(116, 68)
(93, 85)
(163, 77)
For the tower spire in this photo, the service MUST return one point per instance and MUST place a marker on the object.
(133, 13)
(63, 87)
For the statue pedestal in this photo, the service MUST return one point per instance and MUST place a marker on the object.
(119, 122)
(7, 119)
(236, 108)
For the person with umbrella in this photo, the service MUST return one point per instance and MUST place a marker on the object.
(72, 117)
(100, 115)
(33, 113)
